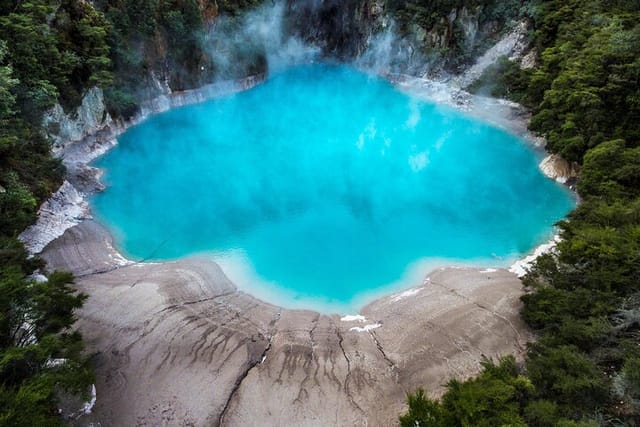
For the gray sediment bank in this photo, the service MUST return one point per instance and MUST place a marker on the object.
(176, 343)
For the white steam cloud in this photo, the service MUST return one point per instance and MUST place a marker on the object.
(256, 39)
(260, 41)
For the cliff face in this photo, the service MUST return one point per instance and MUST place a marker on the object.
(394, 37)
(368, 31)
(90, 117)
(409, 38)
(341, 28)
(459, 23)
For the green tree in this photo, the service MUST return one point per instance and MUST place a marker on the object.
(495, 398)
(39, 354)
(422, 411)
(7, 85)
(567, 376)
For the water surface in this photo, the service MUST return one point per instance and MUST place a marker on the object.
(325, 185)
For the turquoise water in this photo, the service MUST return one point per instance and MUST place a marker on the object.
(325, 185)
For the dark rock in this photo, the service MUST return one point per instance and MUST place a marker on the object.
(86, 179)
(341, 28)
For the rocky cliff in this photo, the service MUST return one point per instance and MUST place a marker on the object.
(413, 39)
(342, 29)
(65, 128)
(405, 37)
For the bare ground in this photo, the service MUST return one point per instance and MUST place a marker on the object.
(176, 344)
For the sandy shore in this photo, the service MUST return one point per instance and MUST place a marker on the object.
(177, 344)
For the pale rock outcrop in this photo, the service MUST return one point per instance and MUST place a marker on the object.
(559, 169)
(529, 60)
(521, 267)
(67, 206)
(62, 211)
(469, 22)
(513, 46)
(90, 117)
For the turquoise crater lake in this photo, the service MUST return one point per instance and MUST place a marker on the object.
(324, 186)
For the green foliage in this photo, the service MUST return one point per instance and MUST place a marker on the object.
(541, 413)
(17, 205)
(631, 372)
(39, 355)
(121, 103)
(584, 94)
(429, 13)
(50, 51)
(38, 86)
(235, 7)
(589, 65)
(56, 49)
(612, 171)
(495, 398)
(567, 376)
(28, 175)
(422, 411)
(7, 85)
(626, 386)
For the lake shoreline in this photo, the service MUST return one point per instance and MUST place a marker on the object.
(68, 206)
(197, 348)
